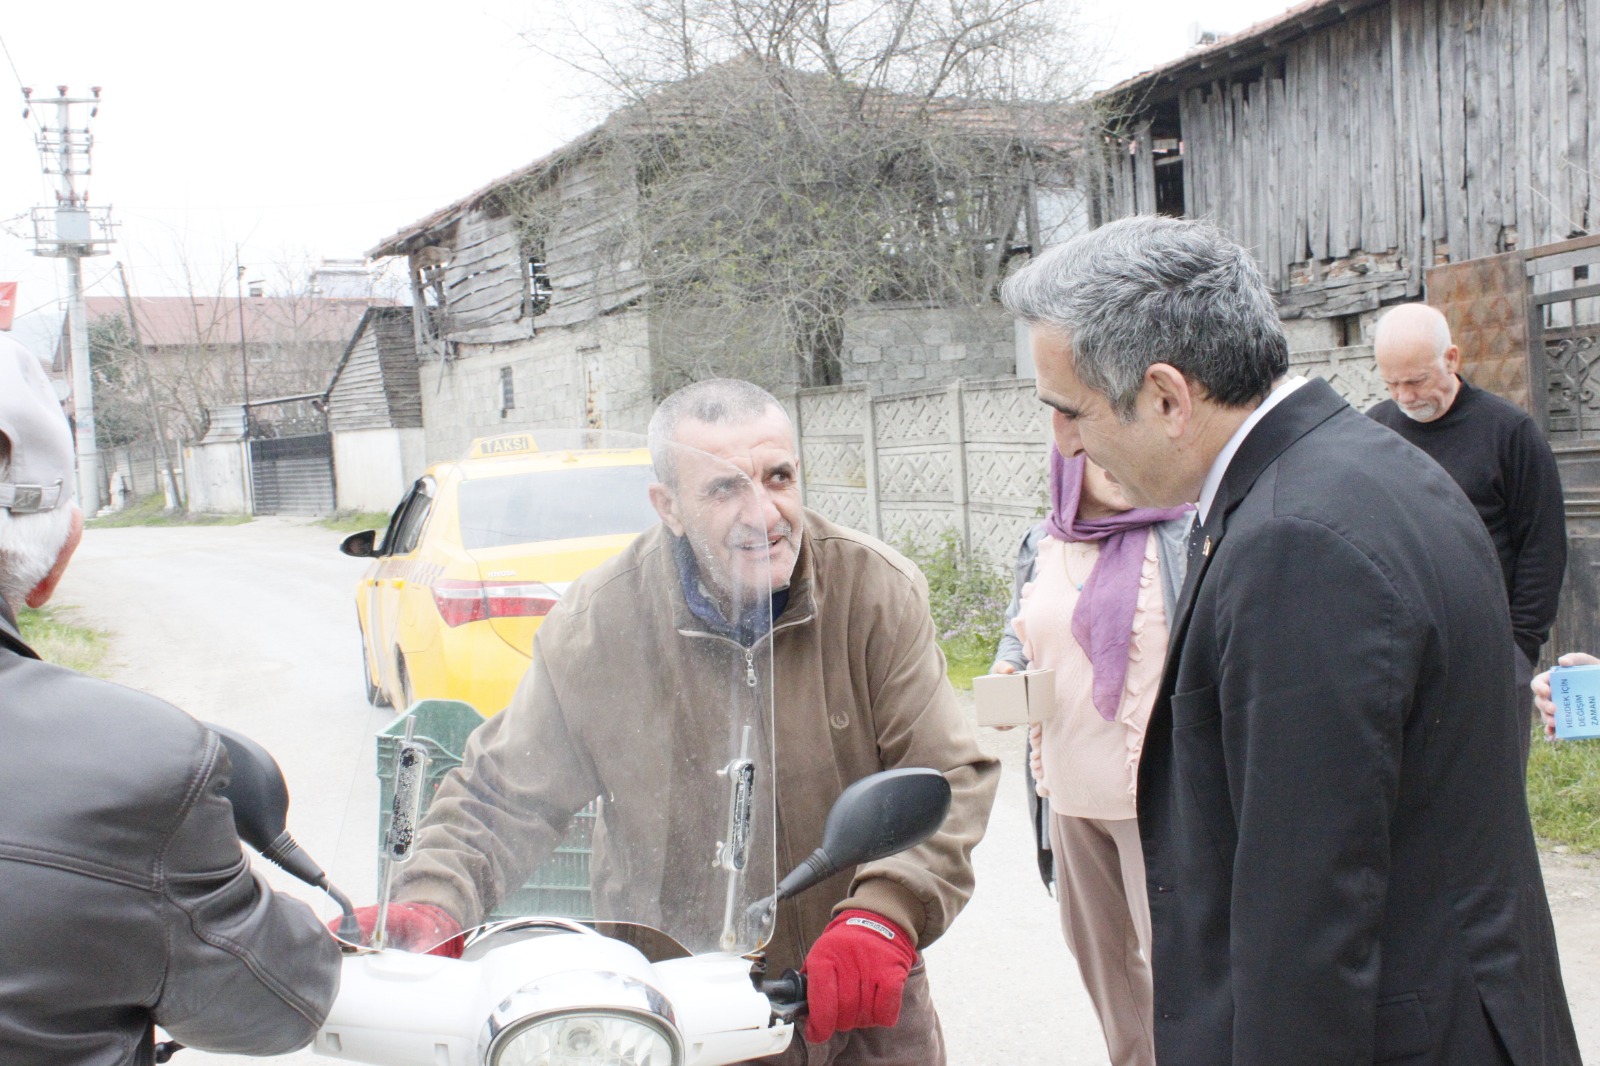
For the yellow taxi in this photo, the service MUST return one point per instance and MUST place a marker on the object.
(478, 552)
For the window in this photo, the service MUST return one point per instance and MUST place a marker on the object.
(555, 505)
(405, 529)
(508, 392)
(536, 287)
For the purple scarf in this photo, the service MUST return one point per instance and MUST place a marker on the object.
(1102, 623)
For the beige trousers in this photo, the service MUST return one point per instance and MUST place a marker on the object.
(916, 1040)
(1105, 914)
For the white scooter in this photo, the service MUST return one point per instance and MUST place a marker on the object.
(650, 951)
(557, 992)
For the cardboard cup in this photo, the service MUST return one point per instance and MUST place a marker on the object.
(1576, 693)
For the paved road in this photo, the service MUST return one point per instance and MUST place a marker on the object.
(254, 626)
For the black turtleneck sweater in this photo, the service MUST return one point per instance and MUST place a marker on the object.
(1495, 452)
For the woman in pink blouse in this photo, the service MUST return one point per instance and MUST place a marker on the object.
(1095, 611)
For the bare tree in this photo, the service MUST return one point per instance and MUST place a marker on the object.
(187, 358)
(795, 159)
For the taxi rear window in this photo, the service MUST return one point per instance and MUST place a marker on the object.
(555, 505)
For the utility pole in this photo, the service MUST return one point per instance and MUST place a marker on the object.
(72, 230)
(244, 351)
(169, 484)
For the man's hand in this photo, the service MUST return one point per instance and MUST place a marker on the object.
(412, 927)
(856, 969)
(1541, 688)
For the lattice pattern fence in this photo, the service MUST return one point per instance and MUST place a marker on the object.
(1351, 371)
(969, 457)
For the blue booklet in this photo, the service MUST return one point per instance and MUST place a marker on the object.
(1575, 691)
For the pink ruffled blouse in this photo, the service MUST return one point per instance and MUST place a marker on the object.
(1087, 766)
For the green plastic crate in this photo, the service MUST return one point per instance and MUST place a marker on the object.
(560, 887)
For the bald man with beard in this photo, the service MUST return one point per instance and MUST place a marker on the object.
(1499, 457)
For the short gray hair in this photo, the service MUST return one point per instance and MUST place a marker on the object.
(1150, 289)
(29, 543)
(714, 400)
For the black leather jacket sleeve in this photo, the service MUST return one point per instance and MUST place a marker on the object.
(250, 971)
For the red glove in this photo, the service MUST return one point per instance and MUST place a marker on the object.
(856, 971)
(412, 926)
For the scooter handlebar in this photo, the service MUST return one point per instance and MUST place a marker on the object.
(787, 992)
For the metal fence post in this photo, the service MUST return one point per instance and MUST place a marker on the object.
(958, 468)
(869, 459)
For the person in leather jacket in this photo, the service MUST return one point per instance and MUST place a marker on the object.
(126, 901)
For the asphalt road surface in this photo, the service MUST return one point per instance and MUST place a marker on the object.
(254, 626)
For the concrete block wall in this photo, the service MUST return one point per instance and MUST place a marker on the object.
(374, 467)
(901, 349)
(560, 379)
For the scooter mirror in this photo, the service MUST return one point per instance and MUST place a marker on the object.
(361, 545)
(256, 789)
(877, 816)
(260, 801)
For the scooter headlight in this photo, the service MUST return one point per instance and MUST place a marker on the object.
(583, 1018)
(586, 1040)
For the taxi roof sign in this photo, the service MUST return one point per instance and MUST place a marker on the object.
(505, 444)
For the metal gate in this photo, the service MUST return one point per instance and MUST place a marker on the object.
(291, 456)
(292, 475)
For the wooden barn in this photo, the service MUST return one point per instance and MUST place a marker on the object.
(373, 403)
(1354, 144)
(533, 305)
(527, 324)
(1370, 152)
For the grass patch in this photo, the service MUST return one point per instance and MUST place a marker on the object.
(1564, 792)
(147, 511)
(966, 659)
(968, 598)
(60, 641)
(354, 521)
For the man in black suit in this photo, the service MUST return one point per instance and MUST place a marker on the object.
(1339, 859)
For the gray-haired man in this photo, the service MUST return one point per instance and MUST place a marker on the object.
(1337, 846)
(125, 899)
(1498, 455)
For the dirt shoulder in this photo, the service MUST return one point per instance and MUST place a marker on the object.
(1573, 884)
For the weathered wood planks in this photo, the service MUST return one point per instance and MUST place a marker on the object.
(1403, 134)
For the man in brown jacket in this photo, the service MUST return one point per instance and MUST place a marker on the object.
(860, 687)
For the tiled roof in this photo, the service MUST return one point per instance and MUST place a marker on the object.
(172, 321)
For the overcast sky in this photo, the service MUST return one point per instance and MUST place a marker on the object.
(297, 130)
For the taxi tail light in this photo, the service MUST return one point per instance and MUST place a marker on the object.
(460, 602)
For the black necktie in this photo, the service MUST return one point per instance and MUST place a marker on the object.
(1199, 543)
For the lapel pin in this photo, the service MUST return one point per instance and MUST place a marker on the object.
(1205, 549)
